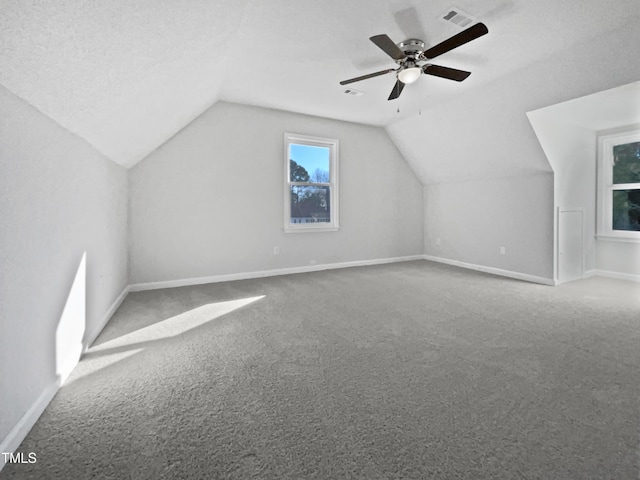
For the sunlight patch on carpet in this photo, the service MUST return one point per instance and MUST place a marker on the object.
(113, 351)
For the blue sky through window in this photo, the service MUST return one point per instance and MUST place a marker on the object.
(310, 157)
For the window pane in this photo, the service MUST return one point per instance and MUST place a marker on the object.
(308, 163)
(626, 210)
(310, 204)
(626, 163)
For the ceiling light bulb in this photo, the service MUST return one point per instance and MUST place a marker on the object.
(409, 75)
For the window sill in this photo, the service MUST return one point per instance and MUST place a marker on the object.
(609, 238)
(310, 229)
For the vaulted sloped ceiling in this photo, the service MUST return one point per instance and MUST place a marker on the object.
(123, 75)
(127, 75)
(485, 132)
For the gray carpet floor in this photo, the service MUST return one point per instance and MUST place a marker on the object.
(406, 371)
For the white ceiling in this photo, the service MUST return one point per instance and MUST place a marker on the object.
(609, 109)
(126, 75)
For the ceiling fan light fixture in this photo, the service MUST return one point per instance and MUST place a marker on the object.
(409, 53)
(409, 74)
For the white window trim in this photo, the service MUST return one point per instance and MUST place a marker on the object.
(333, 146)
(605, 230)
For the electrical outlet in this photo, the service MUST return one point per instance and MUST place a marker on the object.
(503, 250)
(276, 250)
(312, 262)
(438, 241)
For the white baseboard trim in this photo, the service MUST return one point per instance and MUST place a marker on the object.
(266, 273)
(15, 437)
(496, 271)
(93, 334)
(590, 273)
(24, 425)
(617, 275)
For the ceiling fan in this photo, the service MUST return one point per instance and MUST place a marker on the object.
(411, 53)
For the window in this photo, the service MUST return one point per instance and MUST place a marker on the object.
(619, 186)
(311, 184)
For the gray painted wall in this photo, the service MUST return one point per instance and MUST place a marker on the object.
(474, 219)
(571, 150)
(487, 135)
(575, 181)
(568, 132)
(59, 199)
(210, 201)
(619, 257)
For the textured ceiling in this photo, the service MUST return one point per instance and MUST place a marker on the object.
(599, 111)
(126, 75)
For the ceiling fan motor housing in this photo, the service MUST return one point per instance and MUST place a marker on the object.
(412, 47)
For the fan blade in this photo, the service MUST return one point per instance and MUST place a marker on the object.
(387, 45)
(445, 72)
(364, 77)
(461, 38)
(397, 90)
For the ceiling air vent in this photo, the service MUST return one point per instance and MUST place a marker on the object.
(354, 92)
(458, 17)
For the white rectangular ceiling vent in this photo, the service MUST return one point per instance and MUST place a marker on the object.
(458, 17)
(352, 91)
